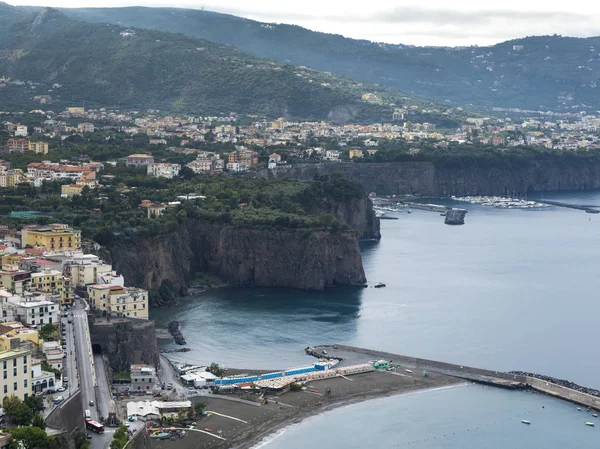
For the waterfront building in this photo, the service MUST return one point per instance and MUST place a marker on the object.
(121, 301)
(143, 377)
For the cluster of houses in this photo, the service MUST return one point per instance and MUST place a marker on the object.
(46, 264)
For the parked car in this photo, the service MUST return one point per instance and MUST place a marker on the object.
(169, 386)
(50, 391)
(58, 400)
(60, 389)
(88, 436)
(91, 403)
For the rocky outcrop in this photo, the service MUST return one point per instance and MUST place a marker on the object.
(461, 177)
(303, 259)
(126, 342)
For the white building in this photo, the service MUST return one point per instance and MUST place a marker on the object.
(41, 381)
(21, 131)
(32, 311)
(163, 170)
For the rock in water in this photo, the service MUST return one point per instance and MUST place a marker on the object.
(455, 217)
(175, 332)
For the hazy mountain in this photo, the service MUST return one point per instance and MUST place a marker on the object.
(548, 72)
(108, 65)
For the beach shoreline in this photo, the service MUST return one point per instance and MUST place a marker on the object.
(259, 440)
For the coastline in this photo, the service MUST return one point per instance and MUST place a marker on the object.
(246, 426)
(266, 436)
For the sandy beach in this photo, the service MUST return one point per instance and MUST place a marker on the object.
(243, 425)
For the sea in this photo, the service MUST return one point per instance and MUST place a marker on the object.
(511, 289)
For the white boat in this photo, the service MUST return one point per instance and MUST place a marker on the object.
(594, 415)
(591, 424)
(408, 371)
(578, 409)
(525, 421)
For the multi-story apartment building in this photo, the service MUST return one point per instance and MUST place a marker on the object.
(163, 170)
(38, 147)
(86, 270)
(53, 281)
(15, 368)
(143, 377)
(32, 311)
(54, 237)
(20, 145)
(139, 160)
(15, 281)
(121, 301)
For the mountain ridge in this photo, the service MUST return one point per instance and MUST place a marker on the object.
(547, 73)
(106, 64)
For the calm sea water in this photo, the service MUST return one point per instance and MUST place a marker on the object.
(463, 417)
(511, 289)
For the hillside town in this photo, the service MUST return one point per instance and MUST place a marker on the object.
(233, 144)
(43, 269)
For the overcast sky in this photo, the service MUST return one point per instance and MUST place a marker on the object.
(435, 22)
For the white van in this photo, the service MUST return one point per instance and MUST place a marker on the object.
(88, 414)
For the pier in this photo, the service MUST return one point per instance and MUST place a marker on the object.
(353, 355)
(589, 208)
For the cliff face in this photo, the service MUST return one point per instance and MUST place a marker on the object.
(425, 178)
(238, 256)
(357, 213)
(126, 342)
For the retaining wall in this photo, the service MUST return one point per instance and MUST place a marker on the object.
(68, 416)
(563, 392)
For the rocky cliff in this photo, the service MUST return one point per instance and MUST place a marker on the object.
(125, 342)
(461, 178)
(300, 259)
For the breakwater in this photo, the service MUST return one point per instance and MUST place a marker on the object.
(558, 388)
(175, 332)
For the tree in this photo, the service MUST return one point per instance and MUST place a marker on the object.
(215, 369)
(35, 403)
(28, 437)
(120, 438)
(38, 421)
(199, 408)
(17, 410)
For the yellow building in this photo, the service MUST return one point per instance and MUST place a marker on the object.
(10, 260)
(14, 329)
(54, 237)
(39, 147)
(76, 110)
(70, 190)
(53, 281)
(355, 153)
(278, 124)
(15, 364)
(8, 179)
(121, 301)
(15, 281)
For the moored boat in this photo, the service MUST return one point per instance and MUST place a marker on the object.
(525, 421)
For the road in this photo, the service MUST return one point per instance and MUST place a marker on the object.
(87, 375)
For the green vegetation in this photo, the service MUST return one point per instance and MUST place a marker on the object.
(550, 72)
(215, 369)
(28, 437)
(49, 332)
(47, 367)
(18, 411)
(114, 215)
(122, 375)
(120, 438)
(107, 65)
(207, 280)
(295, 387)
(199, 408)
(79, 440)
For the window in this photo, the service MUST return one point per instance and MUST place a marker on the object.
(4, 363)
(25, 359)
(15, 387)
(25, 383)
(24, 369)
(5, 375)
(15, 372)
(14, 362)
(5, 389)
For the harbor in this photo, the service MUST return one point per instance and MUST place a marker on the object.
(244, 406)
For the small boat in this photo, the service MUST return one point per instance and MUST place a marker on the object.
(578, 409)
(408, 371)
(591, 424)
(595, 415)
(379, 285)
(525, 421)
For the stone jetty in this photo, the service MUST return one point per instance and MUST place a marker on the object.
(175, 331)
